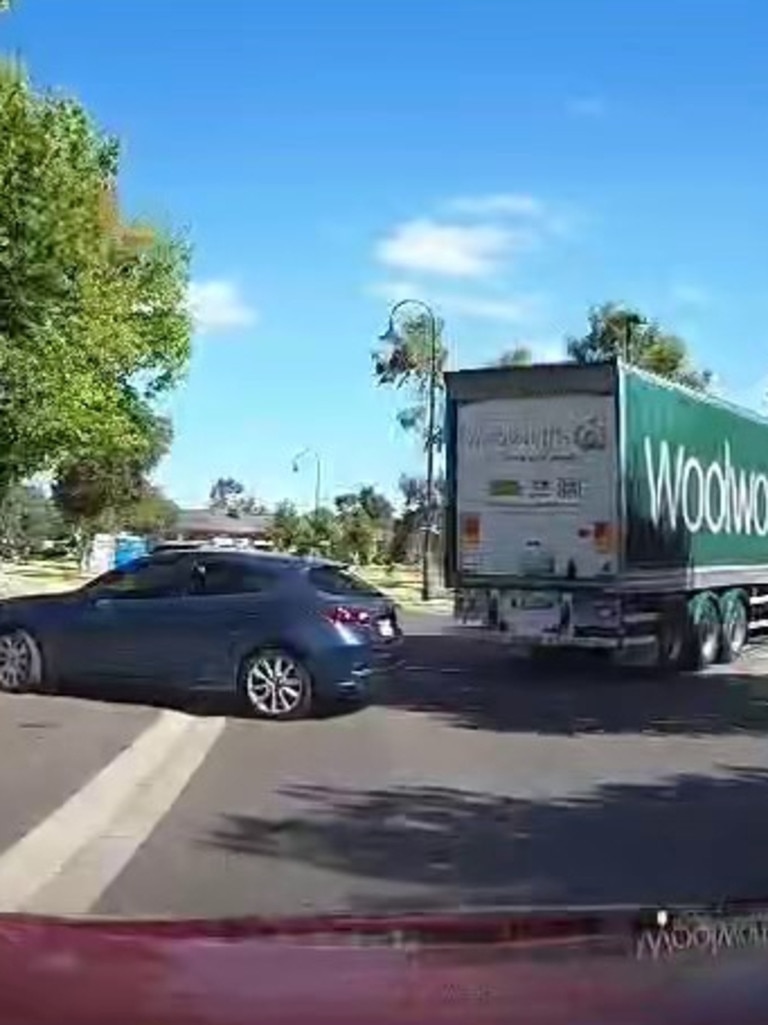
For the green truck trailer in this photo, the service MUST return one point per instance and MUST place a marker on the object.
(600, 506)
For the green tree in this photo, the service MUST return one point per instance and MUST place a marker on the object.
(229, 495)
(407, 531)
(375, 505)
(95, 493)
(226, 495)
(358, 538)
(406, 363)
(617, 331)
(288, 527)
(249, 505)
(364, 524)
(152, 513)
(94, 322)
(520, 356)
(366, 500)
(321, 533)
(28, 519)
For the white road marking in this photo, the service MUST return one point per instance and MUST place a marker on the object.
(123, 803)
(84, 879)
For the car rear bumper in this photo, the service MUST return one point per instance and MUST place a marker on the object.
(350, 673)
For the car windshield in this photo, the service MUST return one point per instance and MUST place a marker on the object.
(383, 483)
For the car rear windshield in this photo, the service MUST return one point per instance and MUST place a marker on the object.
(335, 580)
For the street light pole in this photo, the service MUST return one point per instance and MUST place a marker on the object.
(392, 335)
(318, 473)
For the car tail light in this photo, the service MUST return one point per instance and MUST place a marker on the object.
(347, 615)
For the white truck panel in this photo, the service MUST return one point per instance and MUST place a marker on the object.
(537, 486)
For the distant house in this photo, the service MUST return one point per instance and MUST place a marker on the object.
(207, 524)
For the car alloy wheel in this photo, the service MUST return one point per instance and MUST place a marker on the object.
(276, 685)
(19, 661)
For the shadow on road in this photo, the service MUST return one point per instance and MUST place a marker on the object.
(470, 683)
(695, 840)
(155, 697)
(474, 684)
(192, 702)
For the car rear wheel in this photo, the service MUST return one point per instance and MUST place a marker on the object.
(20, 661)
(276, 685)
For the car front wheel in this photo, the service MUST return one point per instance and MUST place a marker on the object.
(20, 661)
(276, 685)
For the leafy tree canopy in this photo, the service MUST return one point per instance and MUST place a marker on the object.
(405, 362)
(91, 490)
(93, 311)
(519, 356)
(617, 331)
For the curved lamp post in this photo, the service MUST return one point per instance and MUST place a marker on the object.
(393, 337)
(296, 466)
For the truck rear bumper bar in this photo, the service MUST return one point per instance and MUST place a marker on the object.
(521, 641)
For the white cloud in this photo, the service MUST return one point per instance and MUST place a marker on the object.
(511, 310)
(395, 291)
(452, 250)
(689, 295)
(586, 106)
(218, 305)
(510, 203)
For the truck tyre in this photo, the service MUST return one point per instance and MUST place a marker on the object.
(734, 616)
(704, 631)
(673, 638)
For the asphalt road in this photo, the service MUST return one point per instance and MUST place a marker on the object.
(473, 780)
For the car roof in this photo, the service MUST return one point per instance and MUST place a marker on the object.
(283, 560)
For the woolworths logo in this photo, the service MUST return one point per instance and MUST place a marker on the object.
(718, 497)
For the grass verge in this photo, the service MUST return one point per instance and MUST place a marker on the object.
(38, 576)
(403, 585)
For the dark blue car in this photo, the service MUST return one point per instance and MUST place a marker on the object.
(279, 630)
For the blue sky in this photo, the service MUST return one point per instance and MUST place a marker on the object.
(511, 161)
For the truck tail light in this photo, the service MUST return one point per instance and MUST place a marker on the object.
(470, 529)
(603, 537)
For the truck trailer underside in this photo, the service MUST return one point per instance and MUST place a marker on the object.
(669, 629)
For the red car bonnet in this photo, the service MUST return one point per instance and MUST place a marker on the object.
(478, 969)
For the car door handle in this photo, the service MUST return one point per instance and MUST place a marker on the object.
(102, 603)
